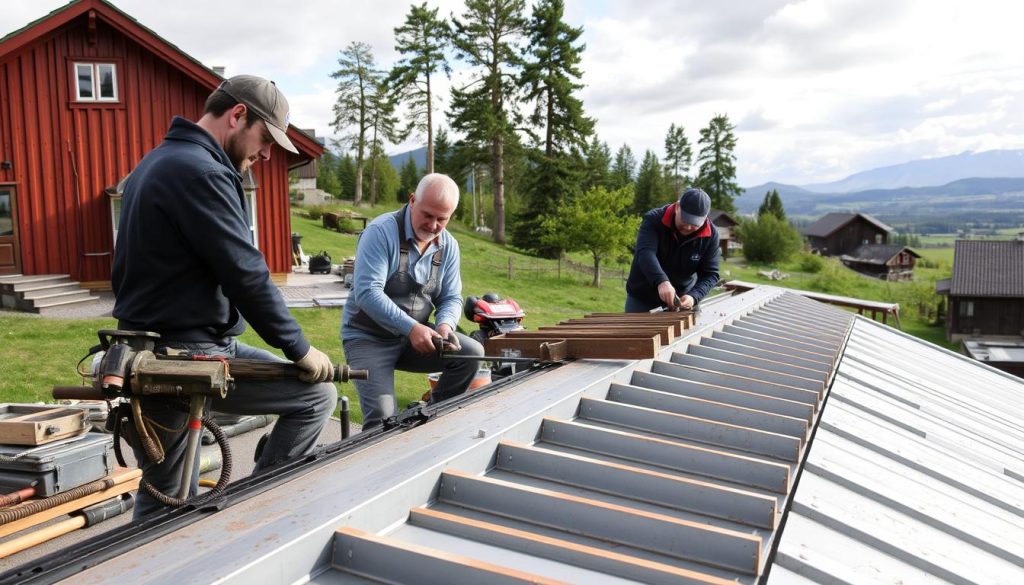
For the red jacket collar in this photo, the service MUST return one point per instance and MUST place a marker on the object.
(669, 220)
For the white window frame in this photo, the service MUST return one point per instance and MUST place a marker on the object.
(250, 197)
(94, 76)
(115, 215)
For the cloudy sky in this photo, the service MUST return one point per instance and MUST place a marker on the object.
(817, 89)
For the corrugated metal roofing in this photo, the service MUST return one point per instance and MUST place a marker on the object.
(675, 470)
(986, 268)
(914, 474)
(877, 253)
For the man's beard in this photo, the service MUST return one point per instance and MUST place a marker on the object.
(237, 156)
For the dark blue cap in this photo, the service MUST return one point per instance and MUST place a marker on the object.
(694, 206)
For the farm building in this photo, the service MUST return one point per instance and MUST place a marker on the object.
(836, 234)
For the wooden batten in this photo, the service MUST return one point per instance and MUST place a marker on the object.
(625, 348)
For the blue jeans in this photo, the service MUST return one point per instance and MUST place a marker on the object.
(383, 356)
(303, 410)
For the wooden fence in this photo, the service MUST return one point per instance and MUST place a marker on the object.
(563, 267)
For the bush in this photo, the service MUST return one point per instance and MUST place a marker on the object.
(769, 240)
(315, 212)
(810, 263)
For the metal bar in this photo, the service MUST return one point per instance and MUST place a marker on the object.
(612, 562)
(736, 382)
(750, 333)
(748, 371)
(746, 359)
(655, 532)
(708, 410)
(634, 483)
(393, 561)
(773, 348)
(747, 439)
(722, 394)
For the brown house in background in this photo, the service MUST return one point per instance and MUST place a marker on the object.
(836, 234)
(85, 92)
(885, 261)
(986, 292)
(726, 229)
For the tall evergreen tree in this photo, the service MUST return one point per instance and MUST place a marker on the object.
(327, 174)
(408, 179)
(356, 81)
(347, 176)
(384, 129)
(422, 41)
(772, 204)
(487, 37)
(717, 173)
(623, 168)
(678, 158)
(551, 77)
(650, 188)
(598, 164)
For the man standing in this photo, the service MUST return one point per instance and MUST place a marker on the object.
(676, 256)
(185, 267)
(407, 265)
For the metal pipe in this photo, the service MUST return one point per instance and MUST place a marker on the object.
(195, 432)
(345, 414)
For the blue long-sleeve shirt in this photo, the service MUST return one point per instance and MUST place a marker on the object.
(377, 261)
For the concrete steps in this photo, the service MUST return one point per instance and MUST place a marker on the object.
(42, 293)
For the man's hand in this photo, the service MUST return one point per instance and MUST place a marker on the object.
(450, 339)
(422, 338)
(667, 294)
(686, 302)
(316, 367)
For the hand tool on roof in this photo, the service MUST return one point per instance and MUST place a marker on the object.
(129, 368)
(677, 305)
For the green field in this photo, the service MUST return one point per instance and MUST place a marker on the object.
(40, 352)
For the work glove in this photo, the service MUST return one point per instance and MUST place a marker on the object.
(453, 342)
(316, 367)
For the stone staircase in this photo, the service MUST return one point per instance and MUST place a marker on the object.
(42, 293)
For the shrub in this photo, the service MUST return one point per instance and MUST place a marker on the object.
(315, 212)
(810, 263)
(768, 239)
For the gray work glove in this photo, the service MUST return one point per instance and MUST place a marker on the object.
(453, 342)
(316, 366)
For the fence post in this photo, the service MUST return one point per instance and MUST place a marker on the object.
(510, 268)
(559, 267)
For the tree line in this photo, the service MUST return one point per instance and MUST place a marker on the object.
(517, 128)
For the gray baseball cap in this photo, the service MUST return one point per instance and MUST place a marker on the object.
(266, 101)
(694, 206)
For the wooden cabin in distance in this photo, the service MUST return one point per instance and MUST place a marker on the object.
(986, 291)
(726, 230)
(87, 91)
(884, 261)
(835, 234)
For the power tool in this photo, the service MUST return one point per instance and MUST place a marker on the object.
(129, 369)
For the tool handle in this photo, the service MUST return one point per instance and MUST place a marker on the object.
(243, 369)
(78, 393)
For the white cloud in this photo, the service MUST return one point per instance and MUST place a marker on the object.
(818, 89)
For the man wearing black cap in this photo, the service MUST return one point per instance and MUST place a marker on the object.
(185, 267)
(675, 263)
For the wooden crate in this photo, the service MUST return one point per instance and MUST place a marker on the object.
(31, 424)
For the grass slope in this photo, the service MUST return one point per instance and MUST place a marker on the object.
(38, 353)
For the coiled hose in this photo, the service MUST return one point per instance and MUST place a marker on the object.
(222, 482)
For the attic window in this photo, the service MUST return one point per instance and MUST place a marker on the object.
(95, 82)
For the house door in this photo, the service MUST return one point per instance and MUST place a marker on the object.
(10, 260)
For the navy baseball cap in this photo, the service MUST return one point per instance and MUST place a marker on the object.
(694, 206)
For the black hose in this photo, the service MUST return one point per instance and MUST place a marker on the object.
(222, 482)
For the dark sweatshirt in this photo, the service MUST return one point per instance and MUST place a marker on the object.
(184, 263)
(690, 262)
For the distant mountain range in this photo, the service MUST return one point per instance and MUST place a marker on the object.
(964, 187)
(419, 155)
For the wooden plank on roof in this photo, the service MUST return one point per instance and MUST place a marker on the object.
(626, 348)
(665, 334)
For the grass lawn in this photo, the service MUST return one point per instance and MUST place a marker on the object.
(39, 353)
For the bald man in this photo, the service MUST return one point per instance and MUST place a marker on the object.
(407, 268)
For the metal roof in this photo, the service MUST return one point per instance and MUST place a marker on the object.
(706, 465)
(877, 253)
(914, 474)
(986, 268)
(830, 222)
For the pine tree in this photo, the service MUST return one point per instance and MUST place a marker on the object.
(408, 179)
(347, 176)
(650, 188)
(356, 80)
(551, 78)
(487, 37)
(678, 158)
(623, 168)
(717, 173)
(598, 162)
(422, 39)
(383, 128)
(772, 204)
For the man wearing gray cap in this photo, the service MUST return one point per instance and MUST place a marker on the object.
(675, 263)
(185, 267)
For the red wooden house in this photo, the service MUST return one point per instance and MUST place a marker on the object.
(85, 92)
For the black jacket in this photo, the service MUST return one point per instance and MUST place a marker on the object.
(184, 262)
(690, 263)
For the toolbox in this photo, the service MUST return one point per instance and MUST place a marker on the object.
(57, 467)
(32, 424)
